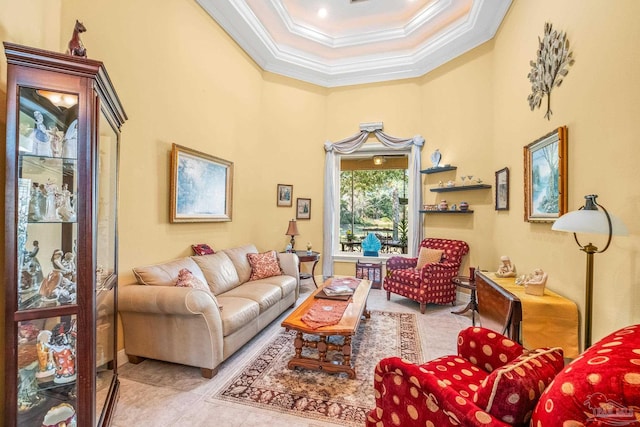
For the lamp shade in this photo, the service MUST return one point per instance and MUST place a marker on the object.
(590, 219)
(292, 230)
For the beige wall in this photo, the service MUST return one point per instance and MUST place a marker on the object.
(183, 80)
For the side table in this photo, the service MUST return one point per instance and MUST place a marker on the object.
(304, 256)
(467, 283)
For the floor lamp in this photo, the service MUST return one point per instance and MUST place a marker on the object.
(589, 219)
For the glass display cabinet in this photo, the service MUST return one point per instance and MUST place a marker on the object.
(63, 130)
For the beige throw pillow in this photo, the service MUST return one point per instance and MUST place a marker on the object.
(428, 256)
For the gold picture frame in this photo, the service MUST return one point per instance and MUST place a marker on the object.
(201, 186)
(545, 177)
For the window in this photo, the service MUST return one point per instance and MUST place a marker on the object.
(373, 199)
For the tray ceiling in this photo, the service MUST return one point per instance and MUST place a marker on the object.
(345, 42)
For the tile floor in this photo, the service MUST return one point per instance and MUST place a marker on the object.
(163, 394)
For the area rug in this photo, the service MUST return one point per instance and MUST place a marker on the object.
(266, 382)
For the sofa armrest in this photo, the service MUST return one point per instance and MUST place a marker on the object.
(487, 349)
(408, 395)
(289, 262)
(166, 300)
(160, 322)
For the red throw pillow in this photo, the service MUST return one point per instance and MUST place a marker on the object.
(511, 392)
(264, 265)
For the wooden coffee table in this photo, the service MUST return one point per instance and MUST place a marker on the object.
(346, 328)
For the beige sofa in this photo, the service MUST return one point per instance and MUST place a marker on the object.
(193, 327)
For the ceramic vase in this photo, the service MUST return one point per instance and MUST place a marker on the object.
(443, 206)
(464, 206)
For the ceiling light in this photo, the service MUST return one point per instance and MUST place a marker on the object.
(322, 12)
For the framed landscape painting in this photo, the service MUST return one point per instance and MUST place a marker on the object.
(545, 177)
(201, 186)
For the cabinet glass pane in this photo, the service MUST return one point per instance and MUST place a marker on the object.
(106, 275)
(47, 371)
(47, 188)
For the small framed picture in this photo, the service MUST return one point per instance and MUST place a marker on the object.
(285, 195)
(303, 208)
(502, 190)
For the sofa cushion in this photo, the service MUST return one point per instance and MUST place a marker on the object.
(265, 294)
(264, 265)
(287, 284)
(238, 313)
(239, 258)
(166, 273)
(219, 271)
(511, 392)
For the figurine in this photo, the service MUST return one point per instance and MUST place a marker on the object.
(76, 48)
(506, 269)
(35, 202)
(64, 209)
(45, 356)
(435, 158)
(51, 189)
(56, 138)
(70, 143)
(535, 283)
(40, 136)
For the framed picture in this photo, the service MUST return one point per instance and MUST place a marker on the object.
(201, 186)
(303, 208)
(502, 190)
(545, 177)
(285, 195)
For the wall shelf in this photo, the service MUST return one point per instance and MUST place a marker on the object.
(460, 188)
(439, 169)
(446, 212)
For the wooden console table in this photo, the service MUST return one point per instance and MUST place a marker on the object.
(535, 321)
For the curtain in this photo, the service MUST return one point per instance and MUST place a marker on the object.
(350, 145)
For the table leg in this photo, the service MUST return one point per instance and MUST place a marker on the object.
(313, 273)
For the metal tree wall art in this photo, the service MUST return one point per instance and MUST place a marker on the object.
(549, 68)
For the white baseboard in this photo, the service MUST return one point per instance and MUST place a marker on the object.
(122, 357)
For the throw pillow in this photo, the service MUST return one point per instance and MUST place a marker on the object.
(186, 279)
(511, 392)
(428, 256)
(264, 265)
(202, 249)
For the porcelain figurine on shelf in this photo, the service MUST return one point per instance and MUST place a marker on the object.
(506, 269)
(40, 136)
(46, 365)
(435, 158)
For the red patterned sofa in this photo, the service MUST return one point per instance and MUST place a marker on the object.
(431, 283)
(493, 381)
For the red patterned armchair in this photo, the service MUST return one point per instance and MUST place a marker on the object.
(599, 388)
(432, 283)
(491, 382)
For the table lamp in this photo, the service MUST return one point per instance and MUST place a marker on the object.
(590, 219)
(292, 230)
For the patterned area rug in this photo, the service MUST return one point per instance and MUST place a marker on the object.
(266, 382)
